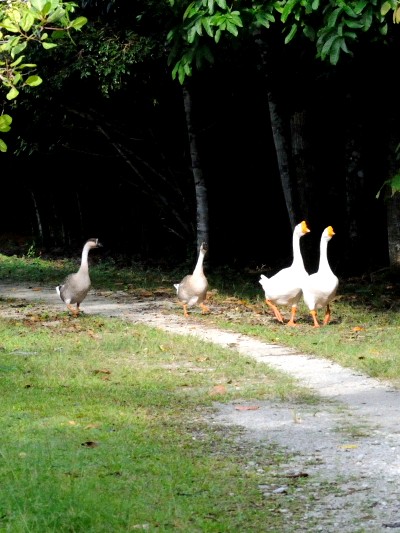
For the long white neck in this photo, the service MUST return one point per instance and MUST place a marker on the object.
(199, 265)
(297, 257)
(84, 260)
(323, 256)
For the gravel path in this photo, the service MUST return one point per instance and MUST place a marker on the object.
(350, 441)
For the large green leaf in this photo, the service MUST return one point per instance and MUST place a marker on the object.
(78, 23)
(9, 26)
(27, 21)
(5, 121)
(3, 146)
(33, 81)
(12, 93)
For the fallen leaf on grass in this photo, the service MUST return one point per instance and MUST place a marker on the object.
(247, 407)
(358, 328)
(102, 371)
(218, 389)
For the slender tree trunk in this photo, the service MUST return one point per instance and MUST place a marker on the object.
(355, 200)
(38, 219)
(303, 165)
(392, 202)
(279, 132)
(198, 176)
(393, 229)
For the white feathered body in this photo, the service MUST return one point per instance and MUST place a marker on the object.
(321, 287)
(284, 288)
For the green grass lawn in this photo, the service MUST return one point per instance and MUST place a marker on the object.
(106, 424)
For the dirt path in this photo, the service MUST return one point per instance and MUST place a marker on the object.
(350, 442)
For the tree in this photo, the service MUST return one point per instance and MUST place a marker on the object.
(24, 24)
(336, 29)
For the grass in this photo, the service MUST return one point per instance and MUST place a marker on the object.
(106, 425)
(363, 334)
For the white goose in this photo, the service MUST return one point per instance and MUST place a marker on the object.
(284, 288)
(75, 287)
(192, 290)
(320, 288)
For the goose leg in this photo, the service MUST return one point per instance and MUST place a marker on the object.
(185, 311)
(327, 318)
(74, 311)
(292, 317)
(314, 316)
(204, 308)
(276, 311)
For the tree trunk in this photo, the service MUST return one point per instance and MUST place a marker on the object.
(393, 229)
(280, 137)
(202, 222)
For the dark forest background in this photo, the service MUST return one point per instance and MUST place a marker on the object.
(93, 157)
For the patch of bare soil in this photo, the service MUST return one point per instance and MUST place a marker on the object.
(349, 443)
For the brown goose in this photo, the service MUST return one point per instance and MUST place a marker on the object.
(75, 287)
(192, 290)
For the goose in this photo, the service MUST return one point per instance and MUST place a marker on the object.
(192, 290)
(75, 287)
(284, 288)
(320, 288)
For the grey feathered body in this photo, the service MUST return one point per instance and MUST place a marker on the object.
(193, 289)
(75, 287)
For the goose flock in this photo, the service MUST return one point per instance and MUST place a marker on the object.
(289, 284)
(285, 288)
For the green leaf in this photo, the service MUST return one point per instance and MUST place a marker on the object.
(17, 61)
(5, 122)
(332, 19)
(327, 46)
(27, 21)
(232, 28)
(207, 26)
(3, 146)
(9, 26)
(359, 8)
(191, 34)
(291, 34)
(16, 50)
(12, 93)
(78, 23)
(353, 24)
(57, 15)
(33, 81)
(222, 4)
(385, 8)
(47, 46)
(39, 4)
(383, 30)
(335, 51)
(289, 6)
